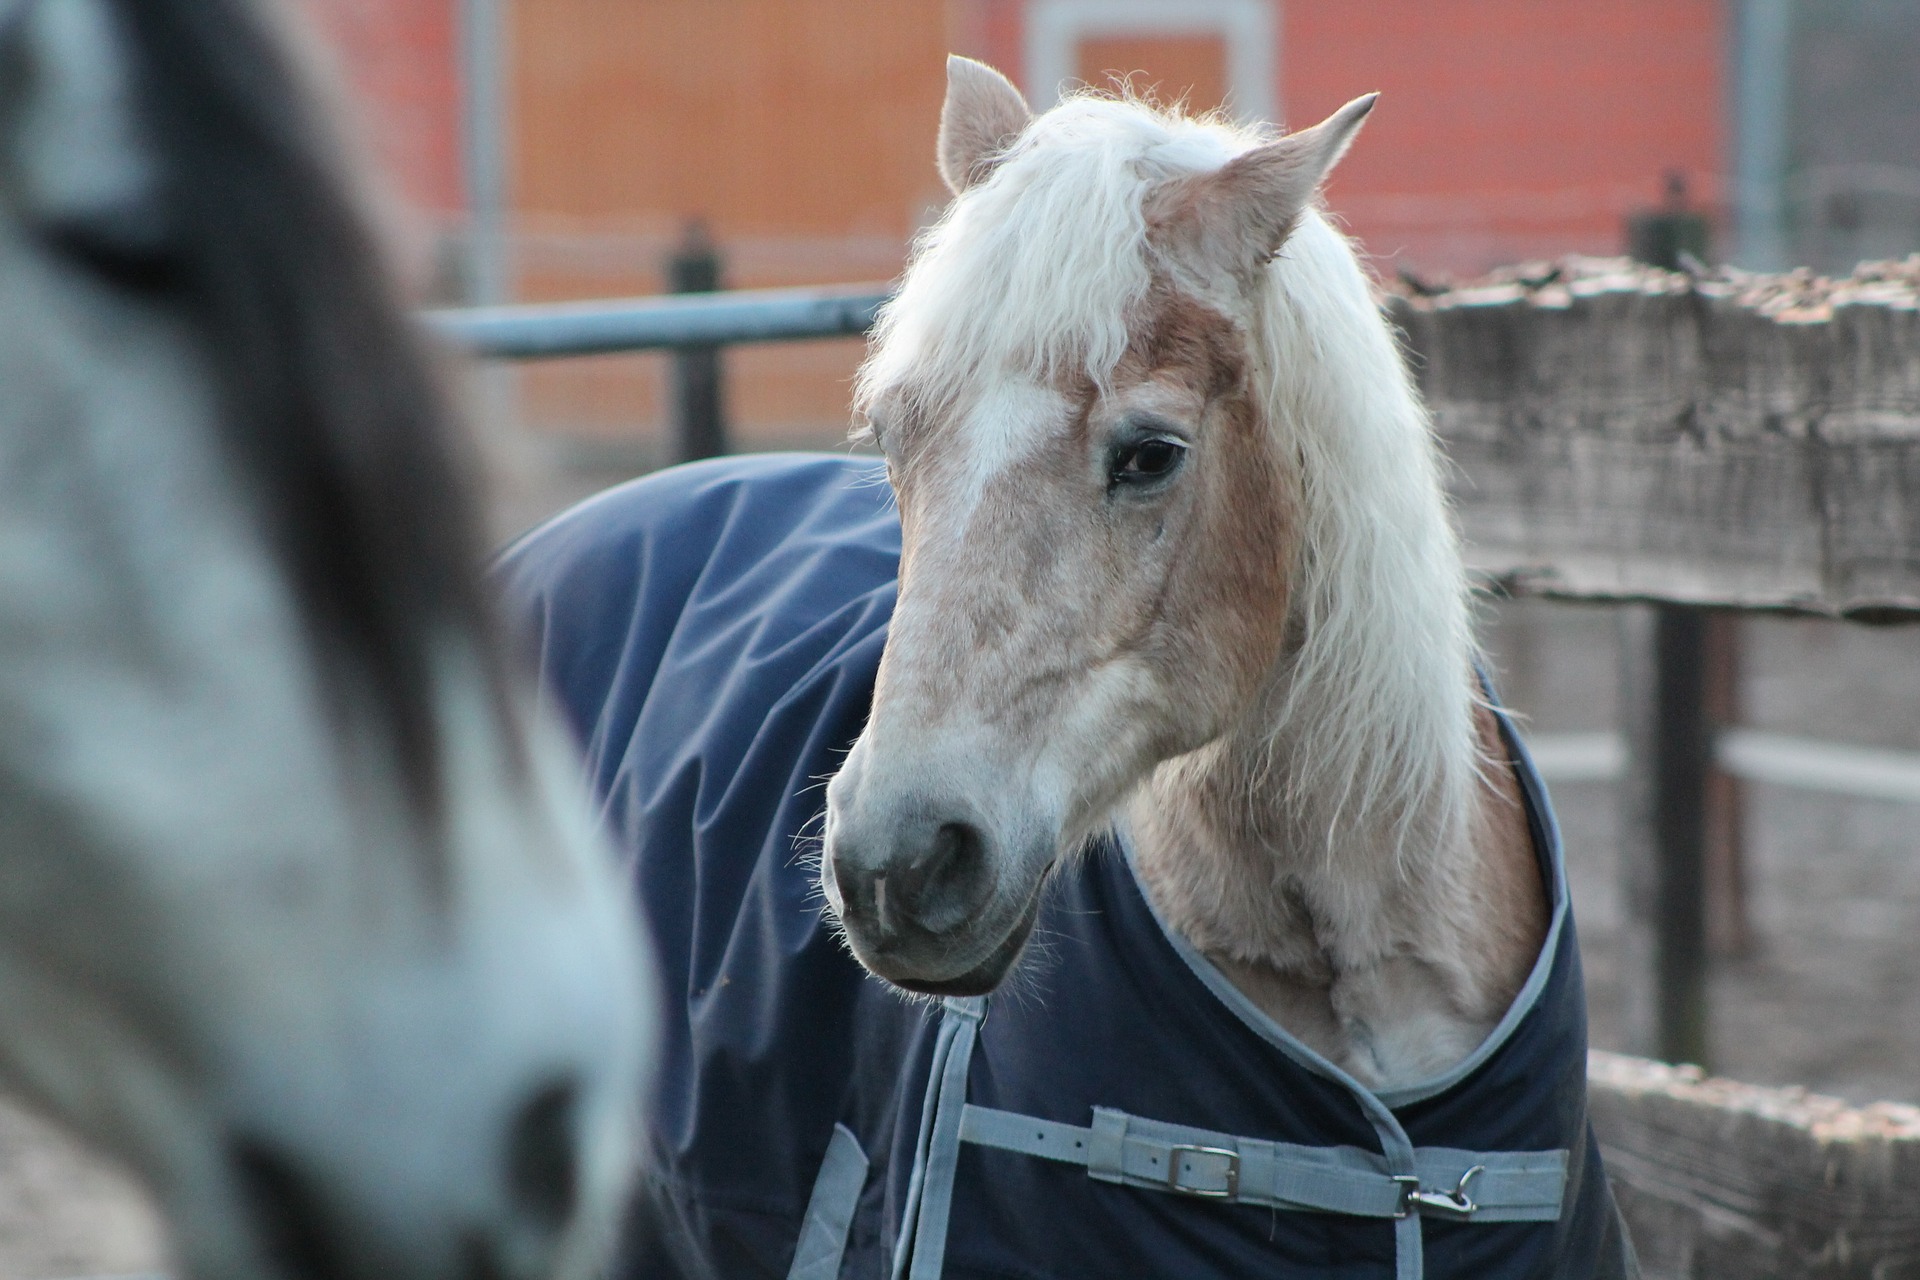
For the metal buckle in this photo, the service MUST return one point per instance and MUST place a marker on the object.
(1233, 1172)
(1456, 1204)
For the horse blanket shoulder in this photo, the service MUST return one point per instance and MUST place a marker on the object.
(1118, 1109)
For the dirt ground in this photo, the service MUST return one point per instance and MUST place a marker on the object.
(1826, 999)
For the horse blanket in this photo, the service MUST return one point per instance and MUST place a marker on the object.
(1118, 1109)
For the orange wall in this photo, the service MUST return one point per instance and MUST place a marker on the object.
(1510, 128)
(1507, 128)
(1169, 69)
(782, 117)
(401, 68)
(800, 132)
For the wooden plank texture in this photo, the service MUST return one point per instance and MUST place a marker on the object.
(1621, 432)
(1725, 1181)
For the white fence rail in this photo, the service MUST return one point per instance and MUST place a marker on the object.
(1776, 759)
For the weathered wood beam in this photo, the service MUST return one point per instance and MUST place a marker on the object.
(1624, 432)
(1725, 1181)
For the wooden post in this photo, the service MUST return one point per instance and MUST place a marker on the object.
(1663, 846)
(699, 414)
(1682, 758)
(1668, 236)
(1729, 928)
(1681, 833)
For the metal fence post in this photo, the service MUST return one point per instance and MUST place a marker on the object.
(698, 410)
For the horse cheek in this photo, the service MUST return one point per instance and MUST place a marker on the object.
(1241, 570)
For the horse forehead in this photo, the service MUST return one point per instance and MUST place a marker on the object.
(1003, 428)
(1010, 419)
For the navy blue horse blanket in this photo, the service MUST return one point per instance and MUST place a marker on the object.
(1120, 1110)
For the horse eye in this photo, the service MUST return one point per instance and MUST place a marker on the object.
(876, 431)
(1154, 458)
(124, 253)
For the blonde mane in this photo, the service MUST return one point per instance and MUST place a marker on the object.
(1041, 269)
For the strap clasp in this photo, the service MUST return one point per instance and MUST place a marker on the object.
(1455, 1204)
(1230, 1175)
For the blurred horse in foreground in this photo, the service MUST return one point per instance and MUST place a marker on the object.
(302, 913)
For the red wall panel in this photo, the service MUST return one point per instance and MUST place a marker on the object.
(1510, 128)
(401, 67)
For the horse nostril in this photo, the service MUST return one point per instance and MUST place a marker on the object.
(944, 888)
(480, 1258)
(286, 1212)
(542, 1166)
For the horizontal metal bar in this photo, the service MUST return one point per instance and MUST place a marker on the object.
(1869, 772)
(1578, 757)
(543, 330)
(1777, 759)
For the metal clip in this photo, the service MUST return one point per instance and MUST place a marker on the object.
(1456, 1204)
(1232, 1172)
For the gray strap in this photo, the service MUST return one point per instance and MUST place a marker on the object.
(1512, 1186)
(1409, 1249)
(836, 1191)
(1029, 1135)
(943, 1149)
(1504, 1186)
(910, 1211)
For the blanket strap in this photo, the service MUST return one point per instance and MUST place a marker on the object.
(1444, 1183)
(922, 1247)
(830, 1210)
(1454, 1185)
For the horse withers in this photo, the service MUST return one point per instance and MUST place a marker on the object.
(301, 915)
(1152, 709)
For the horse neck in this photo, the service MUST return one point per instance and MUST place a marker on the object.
(1350, 785)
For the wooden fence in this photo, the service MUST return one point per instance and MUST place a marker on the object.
(1725, 1181)
(1622, 432)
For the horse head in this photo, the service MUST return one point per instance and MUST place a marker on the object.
(1099, 528)
(302, 913)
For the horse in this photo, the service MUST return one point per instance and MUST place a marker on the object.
(304, 918)
(1150, 646)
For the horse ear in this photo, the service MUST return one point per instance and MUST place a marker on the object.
(1238, 216)
(76, 153)
(983, 114)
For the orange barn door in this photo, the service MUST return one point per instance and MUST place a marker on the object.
(1166, 68)
(798, 133)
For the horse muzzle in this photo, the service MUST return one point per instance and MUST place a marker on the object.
(931, 900)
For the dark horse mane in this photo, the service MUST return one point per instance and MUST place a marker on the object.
(331, 406)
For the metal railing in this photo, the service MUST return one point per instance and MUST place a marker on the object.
(536, 331)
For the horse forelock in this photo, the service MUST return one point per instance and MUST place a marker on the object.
(1040, 270)
(329, 406)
